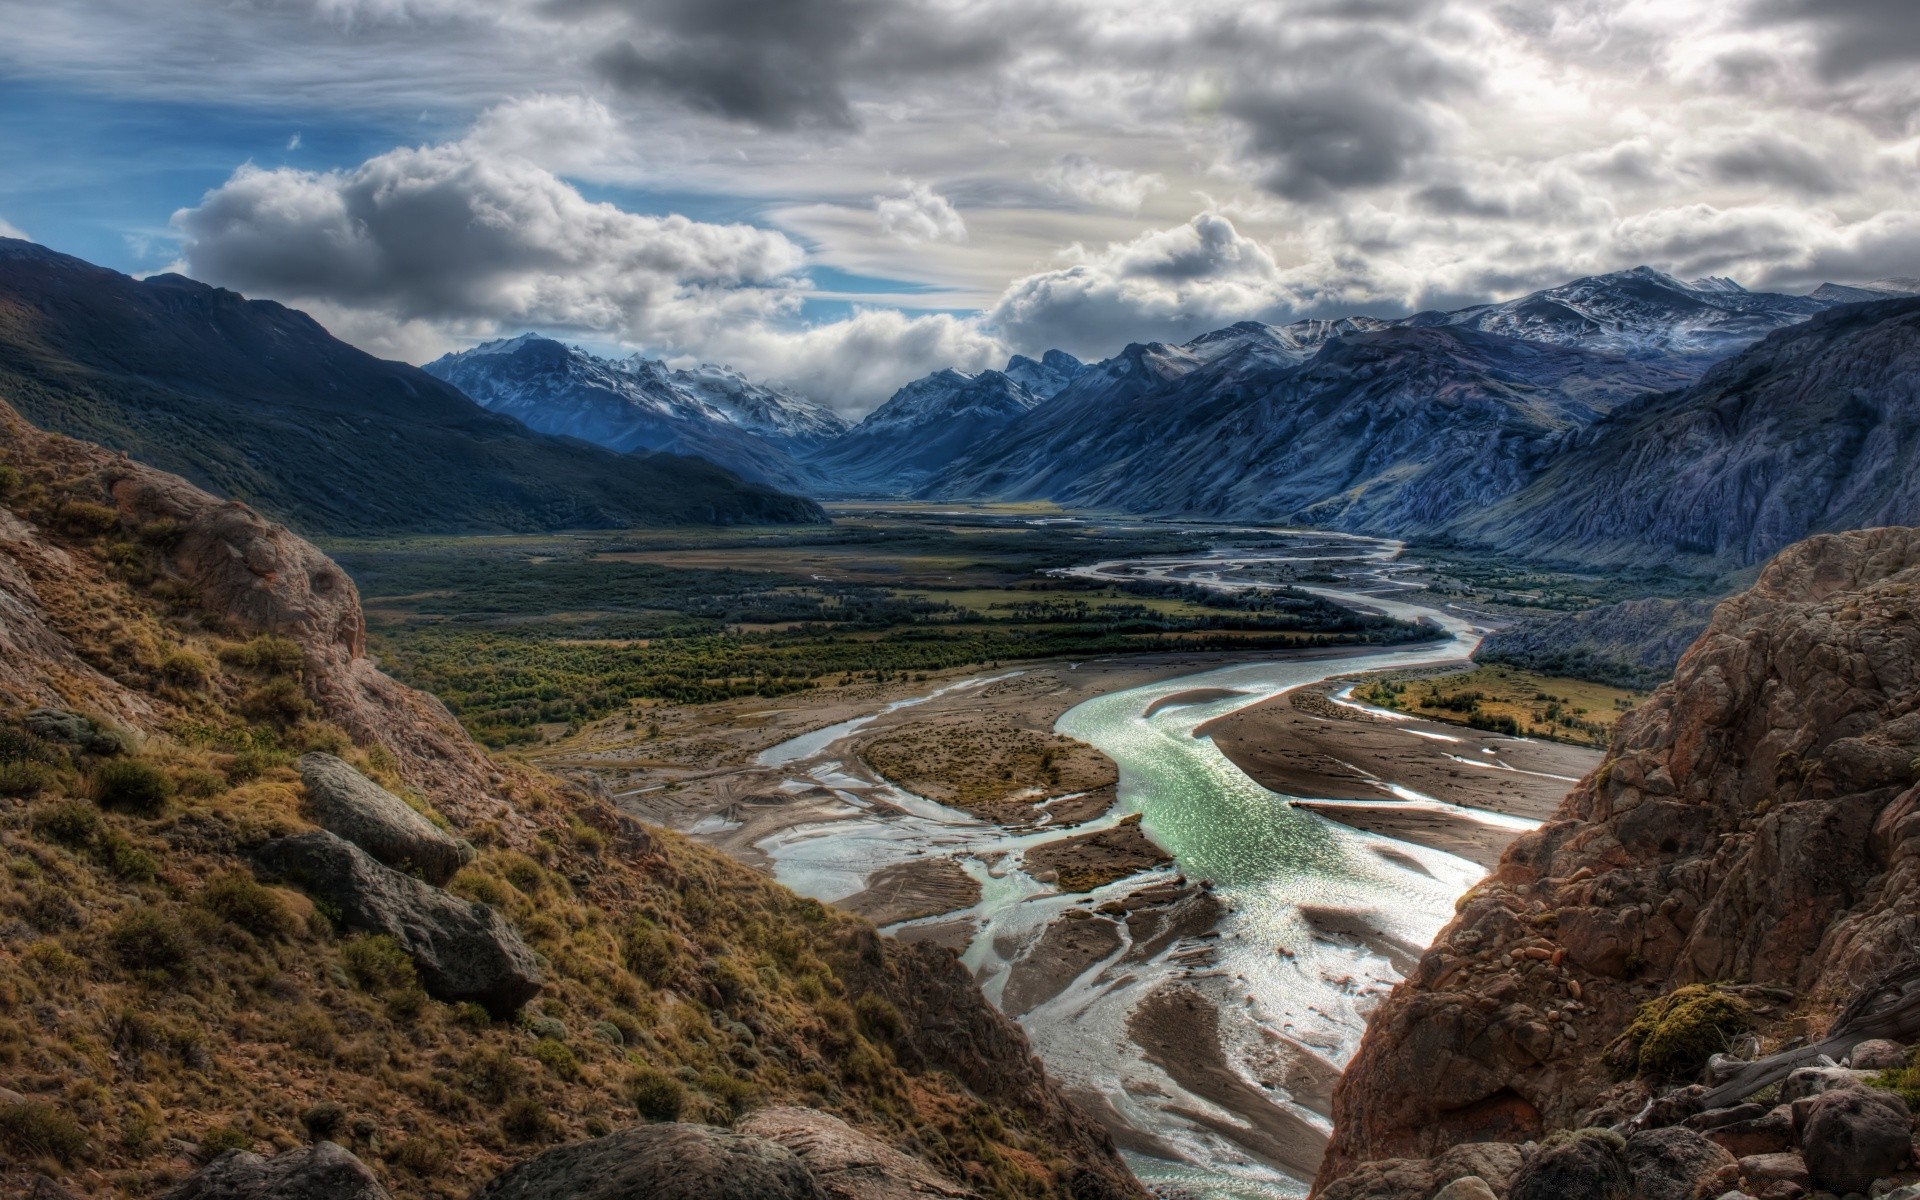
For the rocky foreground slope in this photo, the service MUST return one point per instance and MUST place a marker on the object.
(1744, 859)
(271, 924)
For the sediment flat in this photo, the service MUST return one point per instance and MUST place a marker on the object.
(1303, 745)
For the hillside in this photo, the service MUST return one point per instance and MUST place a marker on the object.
(195, 972)
(920, 429)
(1814, 429)
(1631, 644)
(1742, 861)
(256, 401)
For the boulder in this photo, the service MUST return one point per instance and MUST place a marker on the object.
(322, 1171)
(1588, 1166)
(1812, 1081)
(1764, 1170)
(660, 1162)
(1678, 1164)
(1877, 1054)
(1854, 1136)
(846, 1163)
(1769, 1133)
(348, 804)
(1472, 1187)
(1493, 1163)
(463, 950)
(59, 725)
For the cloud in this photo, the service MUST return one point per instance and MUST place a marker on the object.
(1078, 177)
(564, 134)
(455, 233)
(8, 230)
(783, 64)
(1169, 284)
(920, 214)
(1850, 35)
(1773, 161)
(855, 364)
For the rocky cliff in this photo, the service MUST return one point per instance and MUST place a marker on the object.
(259, 894)
(1751, 827)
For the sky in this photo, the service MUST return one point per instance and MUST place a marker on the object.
(839, 196)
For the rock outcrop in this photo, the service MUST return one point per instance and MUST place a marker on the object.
(847, 1164)
(1755, 823)
(347, 803)
(462, 949)
(661, 1162)
(322, 1171)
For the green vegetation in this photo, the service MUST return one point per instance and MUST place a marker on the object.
(1482, 577)
(1674, 1035)
(521, 635)
(1510, 701)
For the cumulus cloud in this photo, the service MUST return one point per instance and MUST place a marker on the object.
(1078, 177)
(1169, 284)
(453, 233)
(920, 214)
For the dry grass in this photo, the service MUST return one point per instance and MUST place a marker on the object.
(1510, 700)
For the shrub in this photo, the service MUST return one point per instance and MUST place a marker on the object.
(136, 786)
(126, 859)
(9, 480)
(526, 1120)
(269, 655)
(378, 964)
(407, 1003)
(324, 1121)
(424, 1156)
(25, 778)
(69, 822)
(1674, 1035)
(252, 764)
(37, 1130)
(649, 952)
(556, 1057)
(83, 518)
(494, 1075)
(200, 782)
(312, 1030)
(240, 900)
(657, 1095)
(186, 669)
(216, 1142)
(278, 699)
(152, 939)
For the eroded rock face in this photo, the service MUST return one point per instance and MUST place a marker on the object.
(323, 1171)
(347, 803)
(661, 1162)
(1581, 1168)
(1756, 821)
(463, 949)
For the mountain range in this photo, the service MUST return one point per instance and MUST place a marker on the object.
(637, 403)
(256, 401)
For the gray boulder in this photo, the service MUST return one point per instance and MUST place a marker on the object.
(660, 1162)
(463, 950)
(1877, 1054)
(59, 725)
(323, 1171)
(1812, 1081)
(1588, 1166)
(347, 803)
(1676, 1163)
(1854, 1136)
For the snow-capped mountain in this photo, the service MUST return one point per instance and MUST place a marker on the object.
(1641, 313)
(641, 404)
(1044, 378)
(1858, 293)
(920, 429)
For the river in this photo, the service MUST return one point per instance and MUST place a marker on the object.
(1278, 984)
